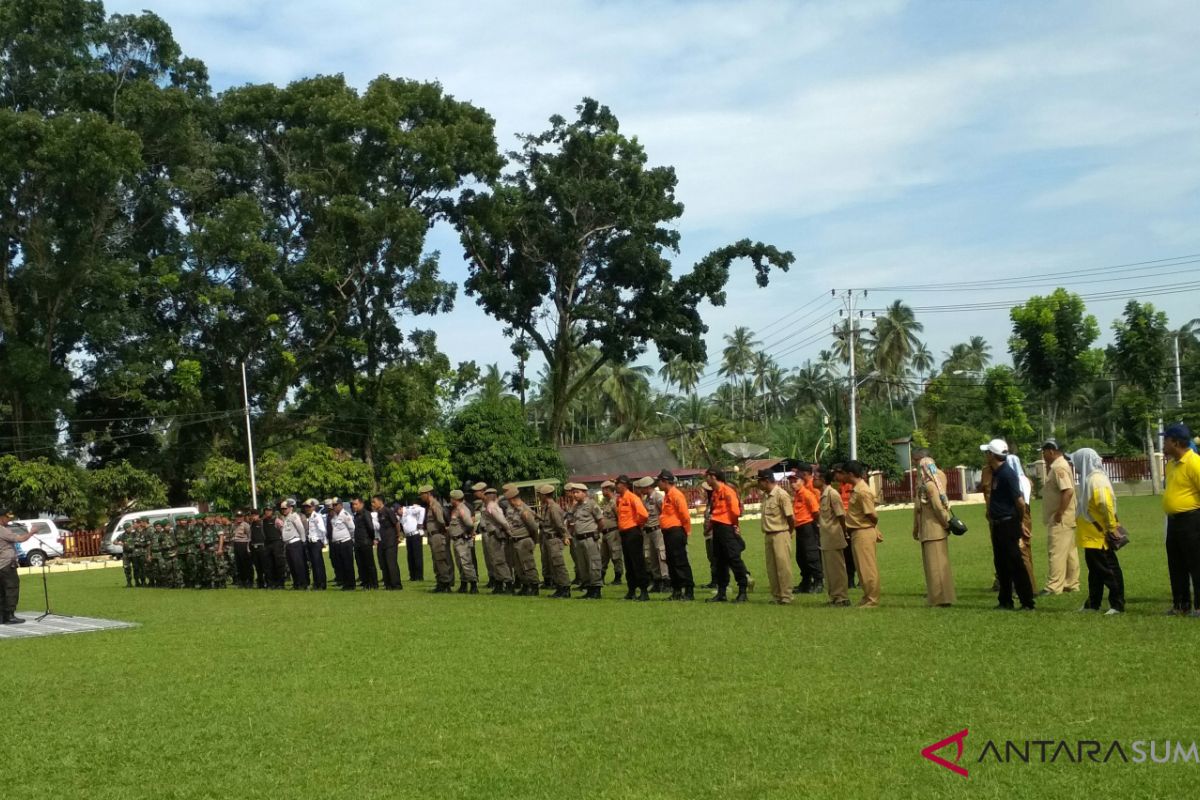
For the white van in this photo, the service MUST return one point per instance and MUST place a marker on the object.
(112, 536)
(45, 544)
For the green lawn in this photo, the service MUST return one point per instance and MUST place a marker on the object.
(247, 694)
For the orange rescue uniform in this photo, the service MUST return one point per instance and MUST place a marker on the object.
(675, 512)
(631, 513)
(726, 507)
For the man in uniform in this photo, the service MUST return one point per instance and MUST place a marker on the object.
(243, 576)
(552, 526)
(364, 545)
(461, 530)
(862, 522)
(584, 521)
(511, 557)
(439, 542)
(676, 521)
(631, 516)
(520, 535)
(127, 547)
(1058, 513)
(294, 535)
(216, 571)
(805, 507)
(485, 532)
(185, 558)
(167, 552)
(258, 550)
(835, 541)
(490, 520)
(654, 549)
(314, 543)
(610, 536)
(389, 544)
(273, 544)
(778, 524)
(10, 580)
(141, 552)
(727, 538)
(341, 543)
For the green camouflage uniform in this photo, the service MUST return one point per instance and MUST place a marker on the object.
(166, 557)
(212, 565)
(136, 547)
(127, 554)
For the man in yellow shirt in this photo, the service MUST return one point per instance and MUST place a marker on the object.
(1181, 502)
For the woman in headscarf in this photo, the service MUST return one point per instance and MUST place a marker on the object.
(931, 520)
(1096, 512)
(1026, 519)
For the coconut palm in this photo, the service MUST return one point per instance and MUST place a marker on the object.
(921, 361)
(737, 359)
(682, 374)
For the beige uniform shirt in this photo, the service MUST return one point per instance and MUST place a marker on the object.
(862, 503)
(777, 512)
(1059, 478)
(8, 553)
(828, 520)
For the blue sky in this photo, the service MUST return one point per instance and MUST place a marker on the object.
(886, 143)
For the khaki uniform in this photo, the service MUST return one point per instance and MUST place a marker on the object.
(584, 521)
(460, 529)
(552, 524)
(492, 522)
(1063, 572)
(931, 518)
(486, 534)
(653, 546)
(778, 520)
(439, 542)
(523, 529)
(833, 544)
(863, 538)
(610, 539)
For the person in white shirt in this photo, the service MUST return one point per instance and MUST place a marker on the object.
(314, 543)
(294, 532)
(412, 521)
(341, 543)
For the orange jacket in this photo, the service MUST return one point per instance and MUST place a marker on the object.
(631, 513)
(675, 512)
(806, 503)
(726, 507)
(846, 489)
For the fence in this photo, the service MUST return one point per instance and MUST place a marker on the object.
(82, 544)
(1127, 470)
(900, 490)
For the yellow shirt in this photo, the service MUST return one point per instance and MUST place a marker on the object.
(1060, 478)
(862, 503)
(776, 511)
(1183, 484)
(1090, 535)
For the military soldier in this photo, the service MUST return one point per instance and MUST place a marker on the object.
(141, 552)
(216, 566)
(461, 530)
(523, 528)
(185, 551)
(584, 521)
(610, 537)
(552, 527)
(653, 546)
(439, 542)
(167, 552)
(127, 553)
(490, 521)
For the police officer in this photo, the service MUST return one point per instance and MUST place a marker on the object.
(273, 544)
(439, 541)
(485, 533)
(461, 530)
(491, 523)
(521, 527)
(610, 537)
(552, 525)
(364, 545)
(585, 520)
(10, 580)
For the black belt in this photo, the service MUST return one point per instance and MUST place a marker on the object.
(649, 528)
(1183, 514)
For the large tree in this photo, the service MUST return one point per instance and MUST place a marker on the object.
(570, 249)
(1050, 347)
(1141, 356)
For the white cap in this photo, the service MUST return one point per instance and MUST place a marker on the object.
(997, 447)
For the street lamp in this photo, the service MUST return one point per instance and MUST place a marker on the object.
(682, 440)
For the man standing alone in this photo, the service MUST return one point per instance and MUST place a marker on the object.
(1181, 502)
(10, 581)
(1058, 512)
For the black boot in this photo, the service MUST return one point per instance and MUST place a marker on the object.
(709, 585)
(547, 584)
(563, 593)
(577, 582)
(534, 589)
(676, 595)
(587, 594)
(498, 588)
(631, 594)
(645, 595)
(741, 595)
(474, 588)
(818, 587)
(491, 584)
(462, 588)
(656, 586)
(689, 593)
(595, 594)
(617, 580)
(13, 619)
(719, 597)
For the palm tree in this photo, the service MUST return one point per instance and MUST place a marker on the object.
(627, 389)
(492, 385)
(760, 365)
(683, 374)
(921, 360)
(971, 356)
(737, 357)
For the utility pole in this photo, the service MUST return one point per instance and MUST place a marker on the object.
(1178, 379)
(249, 439)
(852, 331)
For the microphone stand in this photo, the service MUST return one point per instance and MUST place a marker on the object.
(46, 595)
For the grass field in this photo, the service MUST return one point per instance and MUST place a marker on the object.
(247, 694)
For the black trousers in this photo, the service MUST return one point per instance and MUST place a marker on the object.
(1104, 570)
(808, 555)
(415, 547)
(315, 555)
(727, 555)
(1010, 564)
(243, 567)
(297, 564)
(632, 543)
(678, 567)
(389, 564)
(849, 551)
(277, 563)
(364, 557)
(262, 564)
(10, 589)
(1183, 559)
(342, 556)
(712, 562)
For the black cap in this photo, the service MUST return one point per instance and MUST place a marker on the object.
(666, 475)
(766, 475)
(625, 480)
(1051, 444)
(804, 466)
